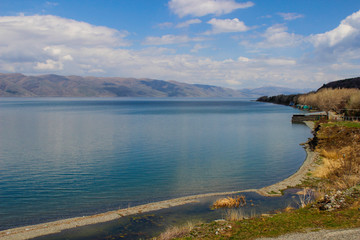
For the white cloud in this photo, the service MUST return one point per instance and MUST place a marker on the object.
(49, 65)
(67, 58)
(280, 61)
(170, 39)
(52, 4)
(48, 44)
(290, 16)
(165, 25)
(227, 26)
(243, 59)
(201, 8)
(345, 66)
(198, 47)
(265, 16)
(58, 31)
(276, 36)
(347, 33)
(340, 45)
(45, 42)
(188, 23)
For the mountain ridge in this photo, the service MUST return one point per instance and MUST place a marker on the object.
(52, 85)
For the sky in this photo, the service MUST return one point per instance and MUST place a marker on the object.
(229, 43)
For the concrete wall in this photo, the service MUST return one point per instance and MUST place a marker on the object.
(298, 118)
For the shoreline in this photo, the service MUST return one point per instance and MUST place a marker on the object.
(297, 177)
(32, 231)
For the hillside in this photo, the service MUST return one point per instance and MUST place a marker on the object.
(19, 85)
(351, 83)
(346, 83)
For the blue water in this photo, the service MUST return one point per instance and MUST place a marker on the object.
(66, 157)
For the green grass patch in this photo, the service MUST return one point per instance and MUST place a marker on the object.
(300, 220)
(349, 124)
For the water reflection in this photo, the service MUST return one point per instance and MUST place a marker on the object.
(62, 158)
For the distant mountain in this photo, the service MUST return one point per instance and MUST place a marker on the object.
(19, 85)
(51, 85)
(346, 83)
(272, 91)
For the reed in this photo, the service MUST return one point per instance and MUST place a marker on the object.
(305, 197)
(235, 215)
(230, 202)
(176, 231)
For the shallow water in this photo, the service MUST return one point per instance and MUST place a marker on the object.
(152, 224)
(66, 157)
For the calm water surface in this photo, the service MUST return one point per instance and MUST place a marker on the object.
(66, 157)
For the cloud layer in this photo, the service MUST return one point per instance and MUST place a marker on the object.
(50, 44)
(199, 8)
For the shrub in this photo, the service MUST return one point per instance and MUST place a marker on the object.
(333, 100)
(230, 202)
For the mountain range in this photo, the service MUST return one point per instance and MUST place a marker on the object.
(51, 85)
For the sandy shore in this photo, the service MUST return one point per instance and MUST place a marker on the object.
(33, 231)
(296, 178)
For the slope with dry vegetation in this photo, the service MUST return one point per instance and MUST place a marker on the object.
(339, 146)
(339, 100)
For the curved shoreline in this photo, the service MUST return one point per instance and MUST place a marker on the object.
(28, 232)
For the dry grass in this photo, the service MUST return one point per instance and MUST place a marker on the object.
(339, 148)
(333, 99)
(235, 214)
(305, 197)
(176, 231)
(230, 202)
(354, 103)
(330, 160)
(288, 209)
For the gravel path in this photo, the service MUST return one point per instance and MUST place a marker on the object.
(347, 234)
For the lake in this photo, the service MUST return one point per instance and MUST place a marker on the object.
(67, 157)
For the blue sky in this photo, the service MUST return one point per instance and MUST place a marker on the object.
(230, 43)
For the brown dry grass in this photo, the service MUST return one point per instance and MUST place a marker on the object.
(176, 232)
(306, 196)
(288, 209)
(234, 214)
(230, 202)
(354, 103)
(333, 99)
(339, 148)
(329, 162)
